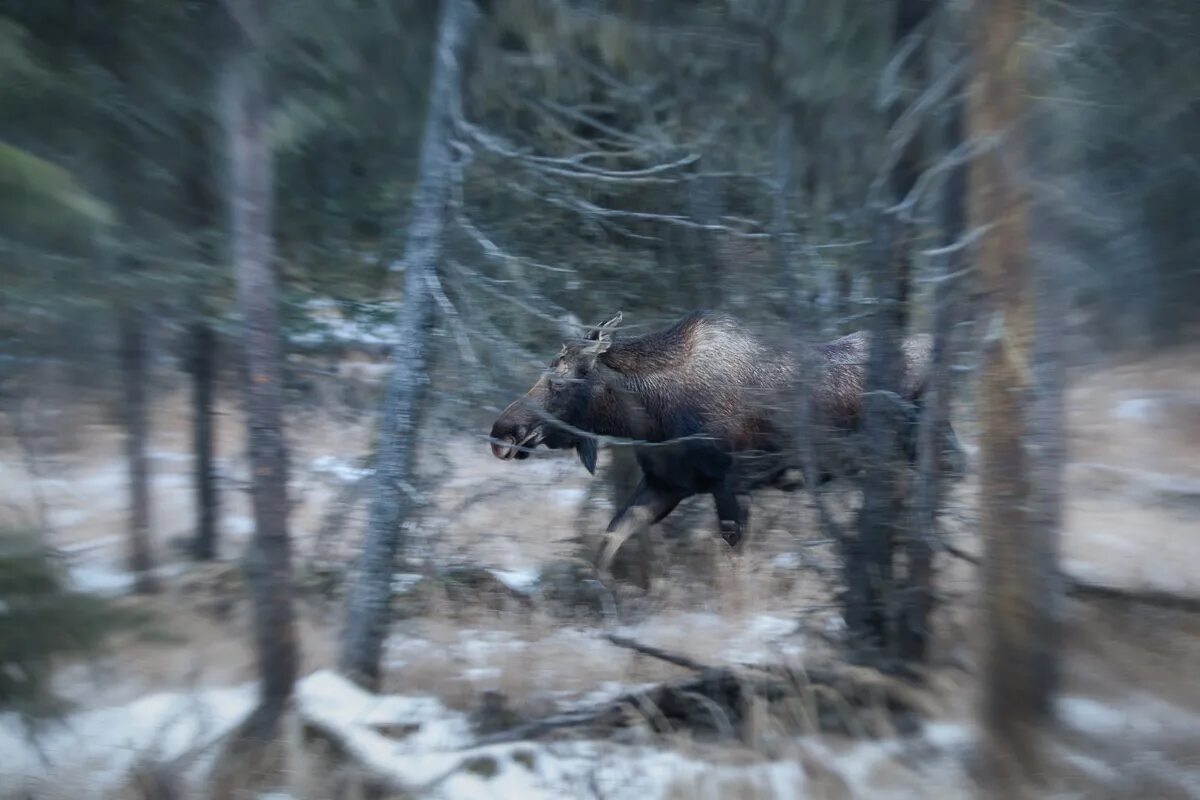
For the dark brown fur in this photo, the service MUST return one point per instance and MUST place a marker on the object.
(710, 408)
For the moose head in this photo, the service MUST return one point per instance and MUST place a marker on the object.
(560, 408)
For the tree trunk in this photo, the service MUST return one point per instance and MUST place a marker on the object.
(1019, 557)
(869, 602)
(251, 187)
(909, 15)
(934, 450)
(886, 617)
(136, 422)
(369, 596)
(203, 346)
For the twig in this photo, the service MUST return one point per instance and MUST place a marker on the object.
(655, 652)
(960, 554)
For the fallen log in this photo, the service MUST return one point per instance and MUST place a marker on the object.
(1158, 598)
(1090, 590)
(719, 702)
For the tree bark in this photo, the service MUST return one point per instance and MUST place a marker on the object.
(251, 198)
(203, 347)
(367, 608)
(909, 15)
(933, 446)
(134, 414)
(886, 617)
(1019, 569)
(870, 597)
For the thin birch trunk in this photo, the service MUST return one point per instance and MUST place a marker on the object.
(368, 601)
(879, 619)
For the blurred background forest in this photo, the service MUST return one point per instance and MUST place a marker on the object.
(232, 232)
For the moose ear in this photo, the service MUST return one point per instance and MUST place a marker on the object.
(600, 337)
(587, 454)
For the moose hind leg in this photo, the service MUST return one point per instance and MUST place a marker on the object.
(733, 514)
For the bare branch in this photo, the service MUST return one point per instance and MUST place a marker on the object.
(453, 318)
(968, 240)
(587, 119)
(573, 166)
(587, 207)
(655, 652)
(909, 124)
(484, 282)
(492, 250)
(960, 155)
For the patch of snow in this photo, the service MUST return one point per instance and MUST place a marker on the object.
(93, 751)
(759, 639)
(436, 757)
(1135, 408)
(655, 628)
(238, 525)
(324, 695)
(341, 329)
(768, 626)
(569, 496)
(857, 762)
(166, 480)
(339, 469)
(480, 675)
(1093, 717)
(66, 517)
(437, 760)
(1142, 716)
(482, 646)
(112, 581)
(947, 735)
(319, 304)
(333, 703)
(522, 581)
(170, 456)
(100, 580)
(788, 561)
(405, 581)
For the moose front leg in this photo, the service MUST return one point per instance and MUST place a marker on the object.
(733, 512)
(649, 505)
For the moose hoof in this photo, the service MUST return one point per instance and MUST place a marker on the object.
(731, 532)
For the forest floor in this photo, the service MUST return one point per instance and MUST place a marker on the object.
(1130, 703)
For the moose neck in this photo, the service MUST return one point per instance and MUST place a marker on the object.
(629, 403)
